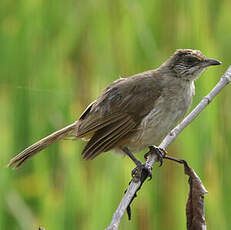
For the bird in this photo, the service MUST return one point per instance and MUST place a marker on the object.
(133, 113)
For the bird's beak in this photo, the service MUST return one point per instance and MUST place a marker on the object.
(208, 62)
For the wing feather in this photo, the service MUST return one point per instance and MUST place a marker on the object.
(106, 138)
(91, 126)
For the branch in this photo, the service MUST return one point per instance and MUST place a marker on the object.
(134, 184)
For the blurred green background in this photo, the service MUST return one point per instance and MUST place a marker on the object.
(56, 56)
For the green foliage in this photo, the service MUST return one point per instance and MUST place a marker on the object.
(55, 57)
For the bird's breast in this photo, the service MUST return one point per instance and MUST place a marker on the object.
(169, 109)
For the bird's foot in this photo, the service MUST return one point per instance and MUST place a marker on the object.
(161, 153)
(141, 171)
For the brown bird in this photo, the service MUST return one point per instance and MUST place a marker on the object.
(133, 113)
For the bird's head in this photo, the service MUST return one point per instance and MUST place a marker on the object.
(188, 64)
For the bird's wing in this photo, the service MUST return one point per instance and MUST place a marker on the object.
(117, 113)
(93, 124)
(106, 138)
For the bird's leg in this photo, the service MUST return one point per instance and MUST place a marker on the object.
(129, 153)
(161, 153)
(137, 172)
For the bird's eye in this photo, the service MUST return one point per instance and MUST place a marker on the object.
(191, 60)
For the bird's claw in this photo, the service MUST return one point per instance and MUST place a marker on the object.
(156, 150)
(140, 171)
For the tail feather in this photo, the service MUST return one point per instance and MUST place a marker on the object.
(42, 144)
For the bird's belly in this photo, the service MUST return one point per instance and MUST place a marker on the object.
(155, 126)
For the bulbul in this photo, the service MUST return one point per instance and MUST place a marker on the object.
(133, 113)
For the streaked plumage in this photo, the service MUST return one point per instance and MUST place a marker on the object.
(134, 112)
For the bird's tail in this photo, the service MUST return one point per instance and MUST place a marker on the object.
(42, 144)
